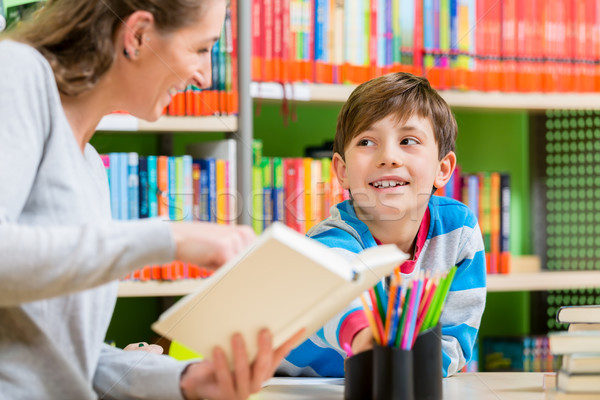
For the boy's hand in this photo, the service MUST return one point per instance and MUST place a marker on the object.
(362, 341)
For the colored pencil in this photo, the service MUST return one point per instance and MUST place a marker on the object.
(370, 318)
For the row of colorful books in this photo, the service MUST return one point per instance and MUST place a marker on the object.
(488, 196)
(530, 353)
(578, 375)
(177, 188)
(491, 45)
(222, 97)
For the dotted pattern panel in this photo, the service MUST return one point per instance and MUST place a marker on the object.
(572, 190)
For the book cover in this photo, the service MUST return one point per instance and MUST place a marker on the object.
(302, 282)
(163, 186)
(581, 363)
(578, 383)
(574, 342)
(578, 314)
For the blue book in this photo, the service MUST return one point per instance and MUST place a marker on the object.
(473, 191)
(188, 188)
(172, 188)
(143, 174)
(133, 186)
(320, 26)
(114, 184)
(203, 208)
(277, 191)
(209, 164)
(123, 186)
(152, 187)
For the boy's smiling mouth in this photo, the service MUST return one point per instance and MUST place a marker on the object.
(387, 183)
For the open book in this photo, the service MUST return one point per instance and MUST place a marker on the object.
(284, 282)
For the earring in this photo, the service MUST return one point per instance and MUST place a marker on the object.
(136, 52)
(126, 54)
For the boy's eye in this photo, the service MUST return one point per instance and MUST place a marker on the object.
(365, 142)
(202, 51)
(408, 141)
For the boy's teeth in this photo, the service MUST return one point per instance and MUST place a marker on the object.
(387, 183)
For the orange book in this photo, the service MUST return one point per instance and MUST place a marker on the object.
(509, 46)
(267, 38)
(162, 181)
(189, 101)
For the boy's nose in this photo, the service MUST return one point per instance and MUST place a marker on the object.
(390, 158)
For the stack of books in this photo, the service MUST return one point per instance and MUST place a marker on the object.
(579, 373)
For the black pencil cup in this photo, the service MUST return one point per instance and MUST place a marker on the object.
(358, 376)
(392, 374)
(427, 364)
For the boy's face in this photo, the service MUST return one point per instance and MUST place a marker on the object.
(391, 169)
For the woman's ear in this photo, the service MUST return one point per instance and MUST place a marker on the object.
(135, 29)
(445, 170)
(339, 166)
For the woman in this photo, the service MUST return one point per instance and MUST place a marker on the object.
(60, 252)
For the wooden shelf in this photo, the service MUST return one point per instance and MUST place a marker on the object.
(157, 288)
(534, 281)
(545, 280)
(457, 99)
(125, 122)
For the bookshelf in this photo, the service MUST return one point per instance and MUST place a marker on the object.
(517, 282)
(325, 93)
(166, 124)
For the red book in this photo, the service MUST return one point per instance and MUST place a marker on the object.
(277, 40)
(267, 38)
(233, 100)
(418, 39)
(509, 46)
(285, 41)
(494, 45)
(293, 189)
(257, 42)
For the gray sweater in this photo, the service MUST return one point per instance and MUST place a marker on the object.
(61, 253)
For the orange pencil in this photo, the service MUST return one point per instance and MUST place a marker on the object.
(376, 314)
(390, 308)
(370, 318)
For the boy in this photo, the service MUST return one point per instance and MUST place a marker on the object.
(394, 146)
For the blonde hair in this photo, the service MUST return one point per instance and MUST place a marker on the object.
(77, 36)
(400, 94)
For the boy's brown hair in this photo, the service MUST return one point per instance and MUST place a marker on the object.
(400, 94)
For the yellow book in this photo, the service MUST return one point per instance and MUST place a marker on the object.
(222, 211)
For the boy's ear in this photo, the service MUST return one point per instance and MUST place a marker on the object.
(446, 167)
(339, 166)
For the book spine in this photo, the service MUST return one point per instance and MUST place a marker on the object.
(123, 186)
(133, 186)
(267, 192)
(196, 190)
(495, 222)
(144, 187)
(278, 194)
(173, 195)
(221, 192)
(152, 187)
(163, 186)
(114, 184)
(257, 199)
(504, 223)
(308, 193)
(188, 188)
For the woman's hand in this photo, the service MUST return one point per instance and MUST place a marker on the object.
(143, 346)
(210, 245)
(213, 379)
